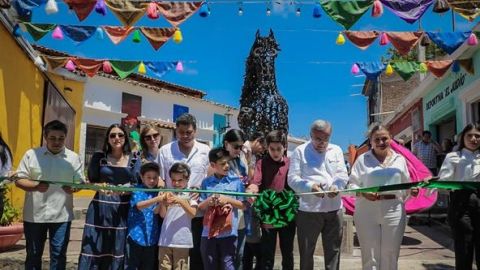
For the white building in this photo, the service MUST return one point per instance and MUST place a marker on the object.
(108, 100)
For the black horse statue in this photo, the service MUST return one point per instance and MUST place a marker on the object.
(262, 108)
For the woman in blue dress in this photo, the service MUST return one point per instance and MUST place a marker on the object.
(104, 235)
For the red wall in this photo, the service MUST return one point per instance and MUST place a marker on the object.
(405, 120)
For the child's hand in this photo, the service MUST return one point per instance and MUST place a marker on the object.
(213, 200)
(161, 197)
(222, 200)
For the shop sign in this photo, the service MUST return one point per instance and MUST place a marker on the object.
(450, 89)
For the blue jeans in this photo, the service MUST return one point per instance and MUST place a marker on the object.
(36, 235)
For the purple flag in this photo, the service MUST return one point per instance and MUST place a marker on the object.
(408, 10)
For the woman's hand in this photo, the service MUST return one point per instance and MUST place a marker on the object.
(371, 196)
(414, 191)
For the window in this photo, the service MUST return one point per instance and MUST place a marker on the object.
(178, 110)
(475, 111)
(57, 108)
(219, 125)
(94, 141)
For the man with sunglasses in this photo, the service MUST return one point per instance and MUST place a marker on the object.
(318, 166)
(188, 150)
(48, 208)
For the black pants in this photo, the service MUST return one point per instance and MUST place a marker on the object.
(141, 257)
(464, 220)
(286, 236)
(195, 255)
(252, 250)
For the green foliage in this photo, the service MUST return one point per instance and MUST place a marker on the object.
(10, 213)
(432, 52)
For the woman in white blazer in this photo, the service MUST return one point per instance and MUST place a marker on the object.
(380, 218)
(464, 207)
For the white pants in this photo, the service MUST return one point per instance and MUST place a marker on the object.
(380, 226)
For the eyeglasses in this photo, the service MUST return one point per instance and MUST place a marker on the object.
(151, 137)
(114, 135)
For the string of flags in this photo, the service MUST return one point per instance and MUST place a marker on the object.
(404, 42)
(127, 12)
(406, 69)
(122, 68)
(346, 13)
(80, 33)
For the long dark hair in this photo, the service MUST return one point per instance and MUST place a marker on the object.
(5, 152)
(461, 142)
(107, 149)
(233, 135)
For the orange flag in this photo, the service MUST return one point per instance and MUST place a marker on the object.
(404, 41)
(177, 12)
(157, 36)
(117, 33)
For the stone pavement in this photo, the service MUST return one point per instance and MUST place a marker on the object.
(423, 247)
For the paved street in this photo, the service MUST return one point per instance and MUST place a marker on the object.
(423, 247)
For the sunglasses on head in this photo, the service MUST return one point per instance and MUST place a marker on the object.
(151, 137)
(114, 135)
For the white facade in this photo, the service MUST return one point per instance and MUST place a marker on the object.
(103, 106)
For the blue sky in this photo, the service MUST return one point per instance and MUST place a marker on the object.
(313, 73)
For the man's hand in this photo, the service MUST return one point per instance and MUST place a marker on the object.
(69, 190)
(317, 188)
(334, 192)
(42, 187)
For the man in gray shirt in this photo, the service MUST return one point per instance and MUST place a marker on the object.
(48, 208)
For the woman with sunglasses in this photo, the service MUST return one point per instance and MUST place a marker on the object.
(105, 232)
(233, 142)
(150, 140)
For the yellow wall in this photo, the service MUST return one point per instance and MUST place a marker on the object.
(21, 102)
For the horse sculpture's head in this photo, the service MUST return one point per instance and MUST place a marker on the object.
(265, 48)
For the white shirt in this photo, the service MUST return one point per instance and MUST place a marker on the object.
(176, 227)
(309, 167)
(197, 160)
(54, 205)
(368, 172)
(461, 166)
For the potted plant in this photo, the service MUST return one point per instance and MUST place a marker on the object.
(10, 232)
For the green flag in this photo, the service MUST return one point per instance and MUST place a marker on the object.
(37, 31)
(346, 13)
(406, 69)
(124, 68)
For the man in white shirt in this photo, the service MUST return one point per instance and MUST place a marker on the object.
(188, 150)
(48, 208)
(319, 166)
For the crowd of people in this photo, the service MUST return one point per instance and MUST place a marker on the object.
(182, 230)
